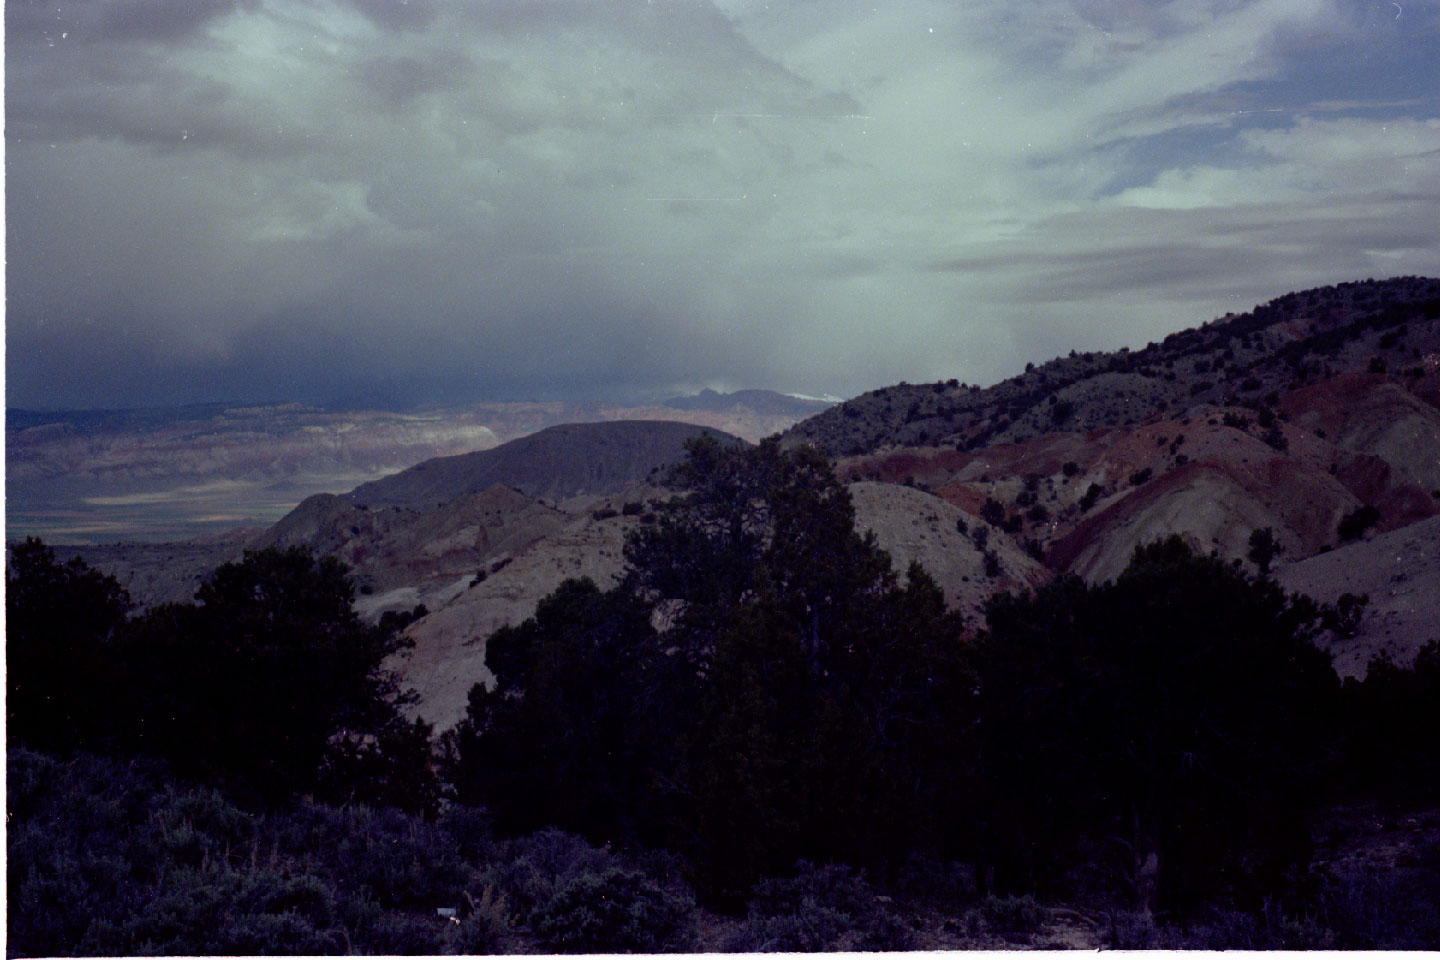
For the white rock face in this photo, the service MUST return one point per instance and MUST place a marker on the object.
(449, 653)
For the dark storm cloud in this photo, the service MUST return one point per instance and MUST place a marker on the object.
(110, 21)
(297, 198)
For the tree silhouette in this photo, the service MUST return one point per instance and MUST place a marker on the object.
(785, 706)
(62, 621)
(1174, 717)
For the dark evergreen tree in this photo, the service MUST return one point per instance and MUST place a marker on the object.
(61, 624)
(787, 706)
(273, 685)
(1176, 717)
(570, 734)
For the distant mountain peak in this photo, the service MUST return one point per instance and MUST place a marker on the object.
(562, 461)
(757, 401)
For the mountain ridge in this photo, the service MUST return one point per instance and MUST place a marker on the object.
(556, 463)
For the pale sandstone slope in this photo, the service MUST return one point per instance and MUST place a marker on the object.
(911, 524)
(449, 653)
(1400, 571)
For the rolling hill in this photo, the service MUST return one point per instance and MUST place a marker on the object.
(564, 461)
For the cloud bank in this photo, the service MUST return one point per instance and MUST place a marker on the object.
(266, 199)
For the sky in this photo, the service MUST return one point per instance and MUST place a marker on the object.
(432, 201)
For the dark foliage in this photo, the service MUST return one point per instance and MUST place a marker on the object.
(567, 729)
(273, 684)
(821, 908)
(786, 709)
(1263, 549)
(117, 858)
(615, 911)
(62, 622)
(270, 684)
(1117, 713)
(1392, 722)
(1354, 524)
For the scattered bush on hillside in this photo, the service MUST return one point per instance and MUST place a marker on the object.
(1276, 439)
(1354, 524)
(992, 564)
(1263, 549)
(1344, 615)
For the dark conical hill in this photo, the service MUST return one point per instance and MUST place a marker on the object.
(562, 461)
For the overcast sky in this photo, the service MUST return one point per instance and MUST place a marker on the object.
(515, 199)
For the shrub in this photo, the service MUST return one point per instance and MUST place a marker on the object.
(485, 925)
(820, 908)
(386, 854)
(616, 911)
(1354, 524)
(1368, 910)
(1140, 476)
(531, 868)
(1011, 914)
(1275, 438)
(209, 912)
(992, 512)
